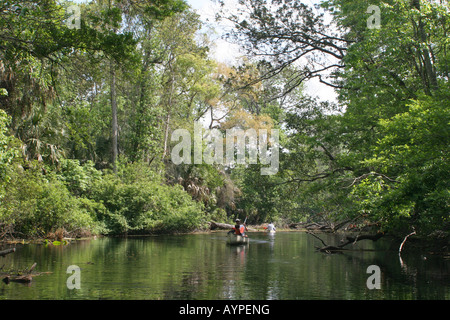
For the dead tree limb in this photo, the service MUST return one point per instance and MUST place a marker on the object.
(315, 236)
(326, 248)
(402, 264)
(32, 267)
(350, 240)
(404, 240)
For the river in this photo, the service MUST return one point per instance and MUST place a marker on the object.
(284, 266)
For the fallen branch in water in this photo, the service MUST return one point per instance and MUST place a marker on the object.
(402, 264)
(323, 242)
(25, 276)
(18, 276)
(353, 240)
(326, 248)
(350, 240)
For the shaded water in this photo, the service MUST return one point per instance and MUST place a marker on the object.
(201, 266)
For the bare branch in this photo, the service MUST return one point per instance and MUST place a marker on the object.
(403, 242)
(362, 177)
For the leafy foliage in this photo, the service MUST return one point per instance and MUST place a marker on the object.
(35, 203)
(137, 201)
(412, 159)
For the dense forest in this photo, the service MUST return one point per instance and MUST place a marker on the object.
(91, 92)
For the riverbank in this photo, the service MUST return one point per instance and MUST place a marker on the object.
(438, 244)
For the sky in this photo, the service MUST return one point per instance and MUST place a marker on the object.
(223, 51)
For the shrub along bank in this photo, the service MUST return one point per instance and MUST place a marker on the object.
(84, 201)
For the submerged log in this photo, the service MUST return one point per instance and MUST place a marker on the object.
(7, 251)
(21, 279)
(331, 249)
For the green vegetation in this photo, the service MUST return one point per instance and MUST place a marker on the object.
(87, 112)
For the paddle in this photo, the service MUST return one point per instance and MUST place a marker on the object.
(245, 222)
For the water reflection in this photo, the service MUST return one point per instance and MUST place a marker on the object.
(202, 266)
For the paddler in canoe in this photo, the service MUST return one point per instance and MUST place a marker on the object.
(239, 233)
(239, 229)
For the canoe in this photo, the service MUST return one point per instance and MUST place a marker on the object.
(234, 239)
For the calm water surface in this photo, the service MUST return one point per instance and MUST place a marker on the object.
(202, 267)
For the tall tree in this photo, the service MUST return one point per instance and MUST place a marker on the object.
(187, 82)
(145, 11)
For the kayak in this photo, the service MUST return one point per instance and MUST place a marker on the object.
(234, 239)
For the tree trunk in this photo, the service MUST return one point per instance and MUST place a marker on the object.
(166, 135)
(114, 126)
(224, 226)
(216, 225)
(169, 110)
(429, 75)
